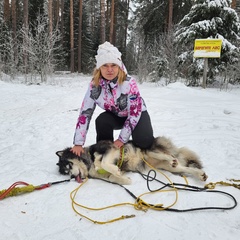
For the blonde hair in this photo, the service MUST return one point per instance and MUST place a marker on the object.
(97, 75)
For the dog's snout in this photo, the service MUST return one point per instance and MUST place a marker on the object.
(72, 176)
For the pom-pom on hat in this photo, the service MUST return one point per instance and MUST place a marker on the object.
(107, 53)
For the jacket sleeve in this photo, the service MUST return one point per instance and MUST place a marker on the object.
(85, 116)
(134, 107)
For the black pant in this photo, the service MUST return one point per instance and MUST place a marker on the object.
(142, 135)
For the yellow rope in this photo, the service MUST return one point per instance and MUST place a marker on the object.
(121, 159)
(155, 207)
(234, 180)
(212, 185)
(73, 195)
(138, 205)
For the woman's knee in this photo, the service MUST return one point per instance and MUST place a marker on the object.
(143, 133)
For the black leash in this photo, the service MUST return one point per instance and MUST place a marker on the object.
(61, 181)
(178, 186)
(185, 187)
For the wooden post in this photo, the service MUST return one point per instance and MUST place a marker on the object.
(205, 73)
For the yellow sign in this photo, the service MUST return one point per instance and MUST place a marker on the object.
(207, 48)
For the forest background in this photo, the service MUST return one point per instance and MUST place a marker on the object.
(156, 37)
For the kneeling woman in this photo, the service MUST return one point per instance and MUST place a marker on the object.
(113, 90)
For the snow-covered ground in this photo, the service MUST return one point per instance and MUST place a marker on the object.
(38, 120)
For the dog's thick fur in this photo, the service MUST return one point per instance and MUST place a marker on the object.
(104, 155)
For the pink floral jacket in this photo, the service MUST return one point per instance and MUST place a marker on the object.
(123, 100)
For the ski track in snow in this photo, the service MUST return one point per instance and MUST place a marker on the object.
(36, 121)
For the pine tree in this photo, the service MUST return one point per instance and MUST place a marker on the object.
(150, 25)
(154, 17)
(209, 19)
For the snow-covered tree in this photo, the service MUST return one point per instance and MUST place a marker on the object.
(8, 62)
(43, 48)
(162, 59)
(209, 19)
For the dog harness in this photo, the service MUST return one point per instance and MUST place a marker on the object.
(119, 162)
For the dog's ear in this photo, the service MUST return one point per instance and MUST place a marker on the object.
(59, 153)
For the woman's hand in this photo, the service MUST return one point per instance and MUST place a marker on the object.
(77, 149)
(118, 143)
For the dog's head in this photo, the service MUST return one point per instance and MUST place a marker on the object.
(71, 164)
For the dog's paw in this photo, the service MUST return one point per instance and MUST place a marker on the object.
(126, 181)
(120, 180)
(174, 163)
(202, 176)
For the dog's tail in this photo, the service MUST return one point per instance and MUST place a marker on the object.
(189, 158)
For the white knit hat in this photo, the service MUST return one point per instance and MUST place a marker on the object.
(107, 53)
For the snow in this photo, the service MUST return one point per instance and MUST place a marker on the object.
(38, 120)
(217, 3)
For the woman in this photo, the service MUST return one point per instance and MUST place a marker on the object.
(117, 93)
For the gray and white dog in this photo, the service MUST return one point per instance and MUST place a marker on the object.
(100, 160)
